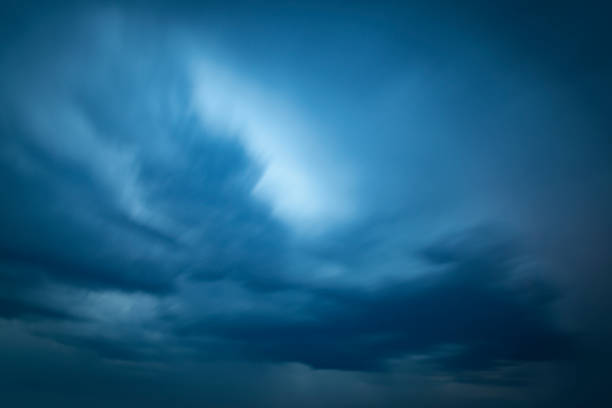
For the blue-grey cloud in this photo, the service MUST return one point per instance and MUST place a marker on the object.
(470, 305)
(194, 197)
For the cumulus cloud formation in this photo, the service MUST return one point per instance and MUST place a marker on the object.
(312, 204)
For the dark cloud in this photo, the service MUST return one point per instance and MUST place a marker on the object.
(471, 306)
(19, 309)
(62, 214)
(285, 199)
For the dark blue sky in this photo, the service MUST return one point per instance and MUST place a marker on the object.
(334, 204)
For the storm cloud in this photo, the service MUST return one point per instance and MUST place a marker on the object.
(304, 205)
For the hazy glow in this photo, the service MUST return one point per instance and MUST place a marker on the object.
(296, 180)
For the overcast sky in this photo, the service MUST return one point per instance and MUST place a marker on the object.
(305, 204)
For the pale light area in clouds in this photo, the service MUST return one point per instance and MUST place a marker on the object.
(307, 188)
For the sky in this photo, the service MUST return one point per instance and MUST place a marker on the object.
(305, 204)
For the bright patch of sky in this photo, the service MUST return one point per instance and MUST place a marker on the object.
(306, 188)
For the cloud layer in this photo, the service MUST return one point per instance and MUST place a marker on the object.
(187, 207)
